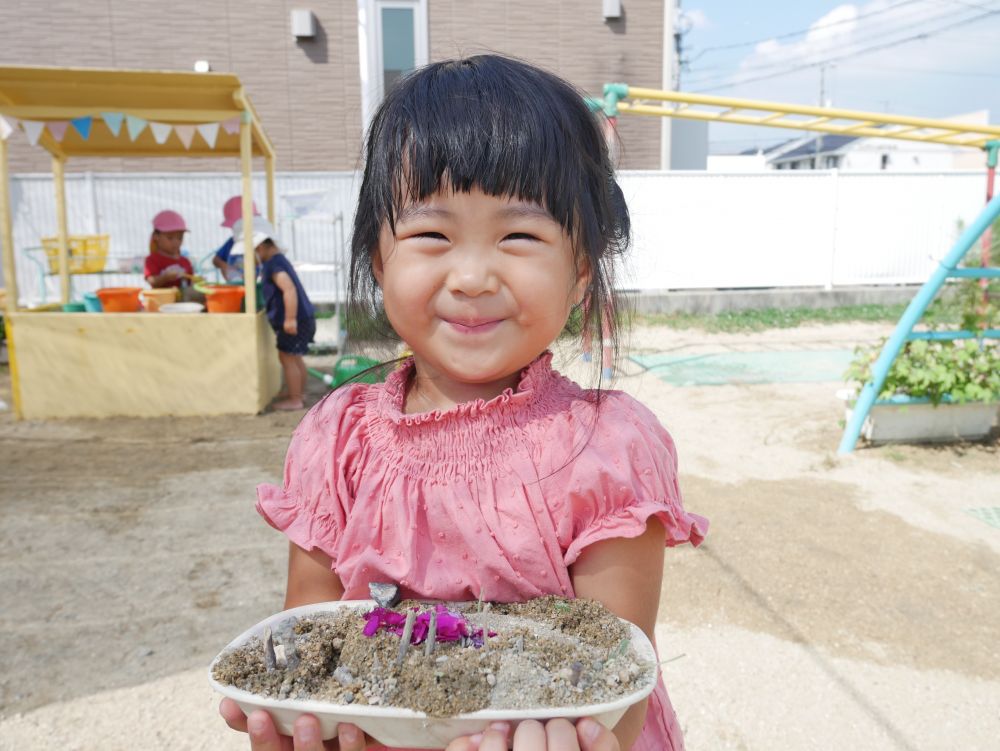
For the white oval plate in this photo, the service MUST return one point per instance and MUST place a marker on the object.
(182, 307)
(407, 728)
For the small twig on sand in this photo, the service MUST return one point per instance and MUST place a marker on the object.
(432, 629)
(671, 659)
(575, 669)
(404, 642)
(519, 644)
(270, 661)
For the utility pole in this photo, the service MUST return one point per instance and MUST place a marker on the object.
(670, 73)
(818, 141)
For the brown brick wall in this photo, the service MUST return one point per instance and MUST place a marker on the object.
(571, 38)
(308, 93)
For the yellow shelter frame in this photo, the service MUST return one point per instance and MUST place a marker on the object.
(176, 98)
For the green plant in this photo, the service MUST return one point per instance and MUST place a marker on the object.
(962, 371)
(965, 370)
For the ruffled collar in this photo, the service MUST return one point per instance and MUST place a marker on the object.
(533, 385)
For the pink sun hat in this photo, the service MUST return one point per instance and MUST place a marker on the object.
(232, 210)
(169, 221)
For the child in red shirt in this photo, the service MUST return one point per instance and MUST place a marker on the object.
(165, 266)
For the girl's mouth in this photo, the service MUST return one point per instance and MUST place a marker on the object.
(474, 327)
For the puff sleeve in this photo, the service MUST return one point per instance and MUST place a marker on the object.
(626, 474)
(312, 505)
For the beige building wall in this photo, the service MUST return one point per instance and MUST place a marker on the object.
(571, 38)
(308, 93)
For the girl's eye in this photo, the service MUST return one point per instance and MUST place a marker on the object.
(521, 236)
(430, 236)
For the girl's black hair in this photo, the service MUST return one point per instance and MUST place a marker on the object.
(511, 130)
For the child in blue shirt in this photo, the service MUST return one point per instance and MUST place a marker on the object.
(289, 310)
(228, 263)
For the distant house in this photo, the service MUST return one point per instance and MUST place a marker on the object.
(827, 151)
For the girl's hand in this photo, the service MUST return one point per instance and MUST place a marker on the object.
(554, 735)
(291, 327)
(306, 735)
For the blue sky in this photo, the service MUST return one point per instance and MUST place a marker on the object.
(868, 65)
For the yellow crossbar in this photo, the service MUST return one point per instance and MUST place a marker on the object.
(822, 119)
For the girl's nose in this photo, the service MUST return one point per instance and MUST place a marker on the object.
(472, 272)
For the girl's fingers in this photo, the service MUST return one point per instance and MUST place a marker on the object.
(561, 736)
(530, 735)
(349, 736)
(495, 737)
(263, 735)
(233, 715)
(595, 737)
(306, 734)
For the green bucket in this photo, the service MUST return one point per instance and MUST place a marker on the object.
(350, 368)
(74, 307)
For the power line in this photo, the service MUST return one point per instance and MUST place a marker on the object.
(786, 35)
(856, 53)
(865, 37)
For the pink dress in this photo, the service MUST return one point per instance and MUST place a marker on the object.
(492, 499)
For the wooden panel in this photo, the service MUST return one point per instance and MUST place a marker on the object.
(143, 364)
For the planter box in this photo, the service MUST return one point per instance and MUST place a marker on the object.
(903, 420)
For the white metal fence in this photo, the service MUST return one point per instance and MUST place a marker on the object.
(691, 229)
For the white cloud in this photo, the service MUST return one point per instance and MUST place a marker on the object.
(921, 77)
(696, 19)
(940, 75)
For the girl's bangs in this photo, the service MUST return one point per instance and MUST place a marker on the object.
(461, 131)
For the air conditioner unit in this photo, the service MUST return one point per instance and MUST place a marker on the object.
(303, 24)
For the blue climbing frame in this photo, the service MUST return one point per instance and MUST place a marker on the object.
(947, 269)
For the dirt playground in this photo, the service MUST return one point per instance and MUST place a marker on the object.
(838, 602)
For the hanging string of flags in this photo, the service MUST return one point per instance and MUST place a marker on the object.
(134, 126)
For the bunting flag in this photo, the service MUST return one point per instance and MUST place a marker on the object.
(135, 126)
(33, 129)
(185, 133)
(209, 131)
(82, 126)
(8, 125)
(58, 129)
(114, 122)
(161, 132)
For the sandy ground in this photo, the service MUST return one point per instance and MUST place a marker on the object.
(839, 602)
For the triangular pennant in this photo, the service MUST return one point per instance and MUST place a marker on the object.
(209, 131)
(135, 126)
(8, 125)
(58, 129)
(231, 126)
(33, 129)
(161, 132)
(185, 133)
(82, 126)
(114, 122)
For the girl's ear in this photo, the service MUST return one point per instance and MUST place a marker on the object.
(583, 278)
(377, 269)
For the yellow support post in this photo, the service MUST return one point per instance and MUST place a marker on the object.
(269, 167)
(9, 277)
(7, 235)
(249, 257)
(59, 178)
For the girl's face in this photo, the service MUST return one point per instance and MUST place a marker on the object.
(478, 286)
(168, 243)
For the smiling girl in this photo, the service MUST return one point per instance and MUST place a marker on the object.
(488, 212)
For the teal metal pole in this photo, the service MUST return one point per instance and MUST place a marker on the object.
(914, 311)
